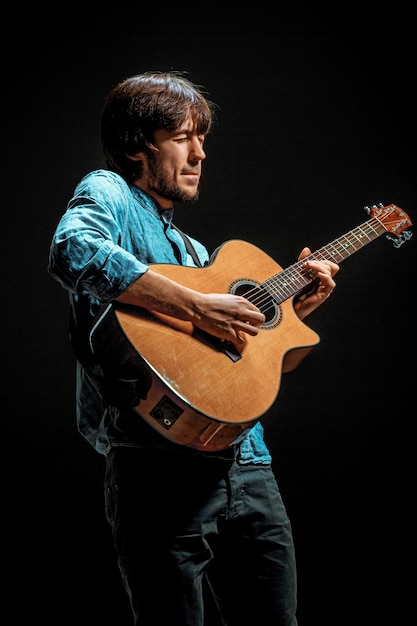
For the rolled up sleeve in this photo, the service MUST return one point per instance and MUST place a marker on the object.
(85, 253)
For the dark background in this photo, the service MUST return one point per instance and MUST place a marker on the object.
(316, 121)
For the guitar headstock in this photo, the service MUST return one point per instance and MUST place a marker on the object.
(394, 220)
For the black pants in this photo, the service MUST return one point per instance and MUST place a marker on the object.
(186, 524)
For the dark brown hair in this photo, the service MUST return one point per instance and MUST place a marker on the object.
(138, 106)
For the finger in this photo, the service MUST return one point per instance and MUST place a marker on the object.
(240, 326)
(304, 252)
(253, 317)
(323, 266)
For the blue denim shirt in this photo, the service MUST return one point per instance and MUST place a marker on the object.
(109, 234)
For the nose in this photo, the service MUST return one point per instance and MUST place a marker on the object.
(197, 151)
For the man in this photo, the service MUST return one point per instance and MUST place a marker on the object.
(185, 522)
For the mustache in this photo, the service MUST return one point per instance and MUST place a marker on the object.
(190, 171)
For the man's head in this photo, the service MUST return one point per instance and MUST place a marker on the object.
(139, 108)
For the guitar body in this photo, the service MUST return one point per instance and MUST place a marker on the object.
(204, 393)
(192, 388)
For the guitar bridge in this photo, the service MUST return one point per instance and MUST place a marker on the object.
(230, 350)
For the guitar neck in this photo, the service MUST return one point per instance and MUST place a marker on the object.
(295, 277)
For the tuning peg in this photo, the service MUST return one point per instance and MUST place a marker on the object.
(374, 206)
(398, 240)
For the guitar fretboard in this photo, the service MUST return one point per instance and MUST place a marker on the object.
(295, 277)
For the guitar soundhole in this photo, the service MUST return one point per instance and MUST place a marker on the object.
(260, 298)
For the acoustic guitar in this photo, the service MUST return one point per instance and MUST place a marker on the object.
(197, 390)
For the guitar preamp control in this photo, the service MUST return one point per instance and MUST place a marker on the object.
(166, 412)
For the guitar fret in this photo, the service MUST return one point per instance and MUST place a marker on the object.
(288, 282)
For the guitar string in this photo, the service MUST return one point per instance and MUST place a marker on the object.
(279, 288)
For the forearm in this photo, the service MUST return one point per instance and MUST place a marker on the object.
(223, 315)
(159, 293)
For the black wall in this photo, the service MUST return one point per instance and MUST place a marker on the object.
(316, 121)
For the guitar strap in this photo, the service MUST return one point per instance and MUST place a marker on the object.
(190, 248)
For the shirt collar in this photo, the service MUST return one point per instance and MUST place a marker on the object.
(150, 204)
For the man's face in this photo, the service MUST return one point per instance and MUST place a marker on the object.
(172, 172)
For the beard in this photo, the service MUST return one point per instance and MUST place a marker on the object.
(160, 181)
